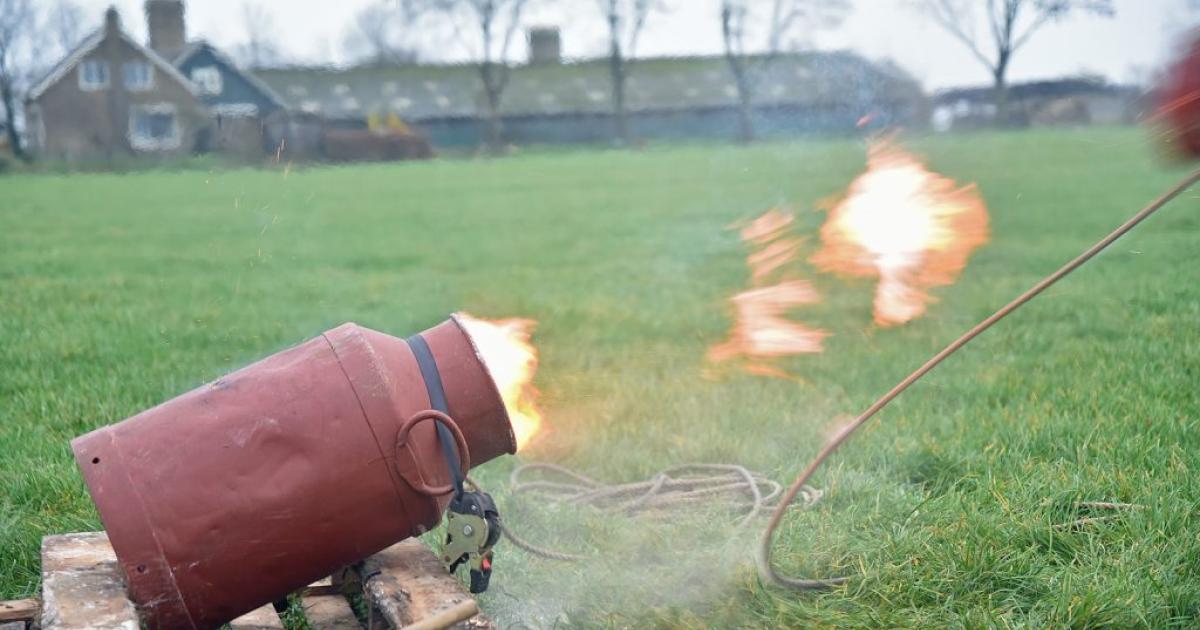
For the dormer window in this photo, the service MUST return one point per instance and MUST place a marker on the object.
(139, 76)
(207, 80)
(93, 75)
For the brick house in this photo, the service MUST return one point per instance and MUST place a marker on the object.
(114, 97)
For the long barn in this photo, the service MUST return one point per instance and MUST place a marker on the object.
(551, 101)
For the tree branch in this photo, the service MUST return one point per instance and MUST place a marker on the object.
(1041, 20)
(951, 19)
(732, 25)
(514, 20)
(641, 10)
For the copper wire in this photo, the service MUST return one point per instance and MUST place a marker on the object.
(766, 569)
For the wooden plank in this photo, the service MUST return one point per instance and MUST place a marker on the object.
(406, 584)
(263, 618)
(326, 608)
(19, 610)
(82, 585)
(329, 612)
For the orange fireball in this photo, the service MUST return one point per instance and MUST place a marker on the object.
(506, 347)
(761, 329)
(911, 228)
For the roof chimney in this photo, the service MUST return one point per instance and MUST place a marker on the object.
(545, 45)
(168, 34)
(112, 22)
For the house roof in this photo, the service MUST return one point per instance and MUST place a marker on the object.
(89, 44)
(196, 47)
(424, 92)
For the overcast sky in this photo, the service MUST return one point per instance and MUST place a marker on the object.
(1125, 49)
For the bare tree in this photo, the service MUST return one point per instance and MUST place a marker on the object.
(786, 17)
(18, 25)
(625, 19)
(1010, 25)
(486, 29)
(259, 49)
(377, 34)
(66, 23)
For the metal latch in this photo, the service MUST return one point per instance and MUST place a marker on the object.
(472, 529)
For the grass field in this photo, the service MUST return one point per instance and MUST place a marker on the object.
(120, 291)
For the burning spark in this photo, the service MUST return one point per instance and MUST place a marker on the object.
(508, 352)
(911, 228)
(770, 226)
(761, 329)
(768, 233)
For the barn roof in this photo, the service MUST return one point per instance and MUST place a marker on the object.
(1054, 88)
(424, 92)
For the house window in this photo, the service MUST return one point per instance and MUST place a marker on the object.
(154, 128)
(207, 79)
(93, 75)
(139, 76)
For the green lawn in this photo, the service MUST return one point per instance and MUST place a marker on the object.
(120, 291)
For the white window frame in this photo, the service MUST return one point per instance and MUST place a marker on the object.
(142, 143)
(236, 110)
(86, 82)
(138, 87)
(213, 84)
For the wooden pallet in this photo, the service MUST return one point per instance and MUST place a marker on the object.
(402, 587)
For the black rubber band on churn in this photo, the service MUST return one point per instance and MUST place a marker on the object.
(437, 400)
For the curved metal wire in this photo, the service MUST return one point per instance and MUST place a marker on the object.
(766, 569)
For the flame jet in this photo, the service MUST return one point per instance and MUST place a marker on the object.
(507, 349)
(911, 228)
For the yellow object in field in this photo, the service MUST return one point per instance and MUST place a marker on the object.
(378, 124)
(375, 123)
(395, 124)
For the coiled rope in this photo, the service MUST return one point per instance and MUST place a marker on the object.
(728, 485)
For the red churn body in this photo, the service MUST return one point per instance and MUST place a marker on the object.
(1178, 107)
(235, 494)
